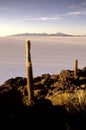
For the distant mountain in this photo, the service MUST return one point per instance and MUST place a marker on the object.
(60, 34)
(42, 34)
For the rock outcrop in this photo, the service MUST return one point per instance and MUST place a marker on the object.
(14, 90)
(47, 106)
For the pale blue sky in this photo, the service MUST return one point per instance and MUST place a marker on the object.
(42, 16)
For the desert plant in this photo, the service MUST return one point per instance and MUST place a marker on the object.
(76, 102)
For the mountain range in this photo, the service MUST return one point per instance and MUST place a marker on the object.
(44, 34)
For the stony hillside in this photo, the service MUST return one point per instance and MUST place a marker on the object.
(54, 96)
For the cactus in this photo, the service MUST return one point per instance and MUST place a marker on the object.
(29, 72)
(75, 68)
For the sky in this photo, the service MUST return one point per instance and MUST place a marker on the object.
(42, 16)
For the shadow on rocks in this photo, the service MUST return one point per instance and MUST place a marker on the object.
(42, 115)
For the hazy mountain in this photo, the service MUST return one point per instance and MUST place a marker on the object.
(42, 34)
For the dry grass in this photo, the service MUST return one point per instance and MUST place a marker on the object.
(74, 102)
(58, 98)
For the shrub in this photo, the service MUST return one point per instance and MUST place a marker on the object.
(76, 102)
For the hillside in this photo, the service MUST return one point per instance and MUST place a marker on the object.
(59, 102)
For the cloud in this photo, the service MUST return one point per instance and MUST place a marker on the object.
(5, 9)
(2, 8)
(29, 18)
(43, 18)
(72, 7)
(83, 3)
(83, 12)
(15, 21)
(73, 13)
(50, 18)
(78, 5)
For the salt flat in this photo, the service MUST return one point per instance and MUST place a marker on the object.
(49, 54)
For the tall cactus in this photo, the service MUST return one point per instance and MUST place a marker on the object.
(75, 67)
(29, 72)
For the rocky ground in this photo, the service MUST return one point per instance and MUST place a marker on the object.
(51, 106)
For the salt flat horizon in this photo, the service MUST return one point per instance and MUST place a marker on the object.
(49, 54)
